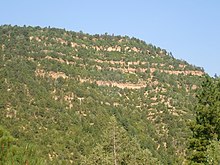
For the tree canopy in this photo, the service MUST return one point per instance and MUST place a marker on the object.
(206, 126)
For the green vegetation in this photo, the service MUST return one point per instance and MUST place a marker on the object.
(204, 144)
(75, 98)
(117, 148)
(12, 153)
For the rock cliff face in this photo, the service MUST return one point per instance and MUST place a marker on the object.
(62, 87)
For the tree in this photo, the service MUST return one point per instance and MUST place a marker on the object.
(5, 143)
(117, 148)
(10, 153)
(206, 126)
(213, 150)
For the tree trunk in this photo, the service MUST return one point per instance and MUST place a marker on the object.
(114, 148)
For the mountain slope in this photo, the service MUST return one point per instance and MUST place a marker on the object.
(60, 89)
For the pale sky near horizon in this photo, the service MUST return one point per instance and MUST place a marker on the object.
(190, 29)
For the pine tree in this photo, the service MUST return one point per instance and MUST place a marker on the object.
(118, 148)
(206, 126)
(213, 150)
(10, 153)
(6, 141)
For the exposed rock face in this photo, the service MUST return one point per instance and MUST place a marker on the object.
(53, 75)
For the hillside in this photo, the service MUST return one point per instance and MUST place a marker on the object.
(64, 92)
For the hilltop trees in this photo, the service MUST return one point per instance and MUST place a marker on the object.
(204, 144)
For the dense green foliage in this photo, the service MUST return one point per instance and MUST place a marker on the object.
(204, 144)
(117, 148)
(12, 153)
(65, 92)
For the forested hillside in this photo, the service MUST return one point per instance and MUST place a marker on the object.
(74, 98)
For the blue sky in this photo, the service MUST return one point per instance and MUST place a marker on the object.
(190, 29)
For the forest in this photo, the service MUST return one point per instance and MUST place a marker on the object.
(74, 98)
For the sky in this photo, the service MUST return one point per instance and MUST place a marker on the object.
(190, 29)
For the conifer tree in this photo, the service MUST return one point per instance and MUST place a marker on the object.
(206, 126)
(10, 153)
(118, 148)
(213, 150)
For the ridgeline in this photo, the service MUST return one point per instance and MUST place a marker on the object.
(74, 98)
